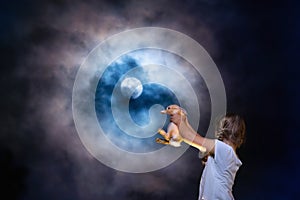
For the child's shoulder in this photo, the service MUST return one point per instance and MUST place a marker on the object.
(224, 153)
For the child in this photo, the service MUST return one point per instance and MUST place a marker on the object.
(222, 162)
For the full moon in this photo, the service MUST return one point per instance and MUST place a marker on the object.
(131, 87)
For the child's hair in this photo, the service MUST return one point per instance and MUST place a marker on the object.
(232, 128)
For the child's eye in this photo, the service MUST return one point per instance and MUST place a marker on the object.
(168, 108)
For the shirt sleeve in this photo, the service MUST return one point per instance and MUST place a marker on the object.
(224, 155)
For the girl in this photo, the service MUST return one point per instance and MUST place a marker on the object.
(222, 162)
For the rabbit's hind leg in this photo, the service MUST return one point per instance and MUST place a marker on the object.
(161, 141)
(164, 134)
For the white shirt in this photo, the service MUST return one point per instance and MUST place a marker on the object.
(219, 173)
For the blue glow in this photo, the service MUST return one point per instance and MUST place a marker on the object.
(138, 108)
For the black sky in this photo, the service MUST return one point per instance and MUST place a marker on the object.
(253, 43)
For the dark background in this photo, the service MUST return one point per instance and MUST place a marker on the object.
(43, 43)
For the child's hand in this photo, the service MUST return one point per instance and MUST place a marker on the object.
(177, 118)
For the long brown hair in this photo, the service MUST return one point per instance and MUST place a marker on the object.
(232, 128)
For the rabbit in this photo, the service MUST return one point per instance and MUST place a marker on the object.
(172, 136)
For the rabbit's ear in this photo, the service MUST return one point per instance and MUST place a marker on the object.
(183, 111)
